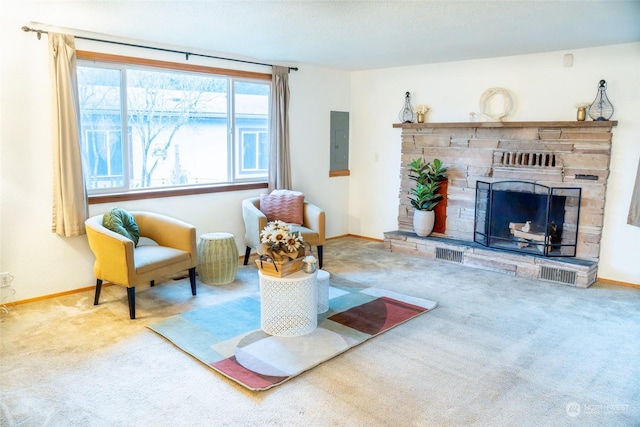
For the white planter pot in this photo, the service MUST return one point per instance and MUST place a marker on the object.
(423, 222)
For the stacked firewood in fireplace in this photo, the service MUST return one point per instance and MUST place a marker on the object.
(525, 234)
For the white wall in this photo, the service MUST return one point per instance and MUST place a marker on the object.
(44, 263)
(542, 88)
(315, 93)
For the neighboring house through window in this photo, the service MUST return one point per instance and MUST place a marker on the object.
(255, 151)
(148, 127)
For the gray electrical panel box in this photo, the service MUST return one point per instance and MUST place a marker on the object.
(339, 141)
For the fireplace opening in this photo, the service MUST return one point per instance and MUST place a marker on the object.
(527, 217)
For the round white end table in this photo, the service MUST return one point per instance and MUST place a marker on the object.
(323, 291)
(288, 305)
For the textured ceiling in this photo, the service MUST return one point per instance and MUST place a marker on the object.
(353, 35)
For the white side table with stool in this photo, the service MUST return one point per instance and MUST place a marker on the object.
(289, 305)
(217, 258)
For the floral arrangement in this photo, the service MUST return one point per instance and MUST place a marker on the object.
(309, 259)
(422, 109)
(278, 237)
(309, 264)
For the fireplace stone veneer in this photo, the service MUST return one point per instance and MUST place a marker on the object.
(554, 154)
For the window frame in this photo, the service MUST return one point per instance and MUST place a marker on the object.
(153, 193)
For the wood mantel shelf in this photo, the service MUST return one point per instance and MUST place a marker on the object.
(591, 124)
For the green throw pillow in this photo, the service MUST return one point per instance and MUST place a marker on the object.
(122, 222)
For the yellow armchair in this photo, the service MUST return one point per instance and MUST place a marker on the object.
(312, 228)
(172, 249)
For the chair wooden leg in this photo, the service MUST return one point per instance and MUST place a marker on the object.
(131, 296)
(320, 255)
(98, 289)
(247, 254)
(192, 279)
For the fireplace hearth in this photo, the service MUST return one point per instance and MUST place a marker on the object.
(550, 215)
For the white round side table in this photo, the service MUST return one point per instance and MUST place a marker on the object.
(217, 258)
(288, 305)
(323, 291)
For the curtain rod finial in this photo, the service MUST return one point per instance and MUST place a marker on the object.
(27, 30)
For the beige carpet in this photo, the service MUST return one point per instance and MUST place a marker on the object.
(498, 351)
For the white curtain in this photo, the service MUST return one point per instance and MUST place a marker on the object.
(69, 193)
(280, 163)
(634, 209)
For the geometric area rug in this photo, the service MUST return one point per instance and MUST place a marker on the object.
(227, 336)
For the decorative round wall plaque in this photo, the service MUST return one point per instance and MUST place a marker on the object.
(486, 103)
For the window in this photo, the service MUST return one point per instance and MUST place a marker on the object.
(149, 127)
(103, 151)
(254, 148)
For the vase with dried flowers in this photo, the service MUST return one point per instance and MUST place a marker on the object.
(421, 111)
(582, 111)
(309, 264)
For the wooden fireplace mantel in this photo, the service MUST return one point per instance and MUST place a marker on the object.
(573, 124)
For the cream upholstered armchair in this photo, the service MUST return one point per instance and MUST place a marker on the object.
(309, 221)
(170, 250)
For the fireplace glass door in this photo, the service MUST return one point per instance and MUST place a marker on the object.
(527, 217)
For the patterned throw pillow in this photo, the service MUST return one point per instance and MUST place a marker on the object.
(122, 222)
(283, 205)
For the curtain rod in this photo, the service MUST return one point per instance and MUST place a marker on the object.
(186, 54)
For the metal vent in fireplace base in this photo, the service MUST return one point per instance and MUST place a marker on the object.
(527, 159)
(558, 275)
(449, 255)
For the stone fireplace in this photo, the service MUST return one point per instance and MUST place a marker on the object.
(571, 158)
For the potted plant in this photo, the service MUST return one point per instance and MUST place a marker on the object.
(424, 195)
(437, 172)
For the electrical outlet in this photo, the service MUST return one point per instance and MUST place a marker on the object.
(5, 279)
